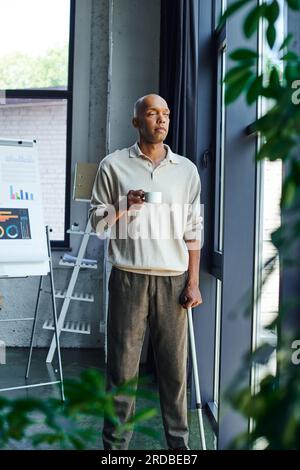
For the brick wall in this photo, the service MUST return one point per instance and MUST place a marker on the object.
(45, 122)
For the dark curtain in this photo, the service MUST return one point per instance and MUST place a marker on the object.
(179, 72)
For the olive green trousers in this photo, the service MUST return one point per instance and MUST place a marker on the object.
(136, 300)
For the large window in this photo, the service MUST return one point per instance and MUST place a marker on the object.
(36, 63)
(219, 147)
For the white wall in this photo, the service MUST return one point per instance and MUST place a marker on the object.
(134, 63)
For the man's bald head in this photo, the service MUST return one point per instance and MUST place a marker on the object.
(151, 118)
(147, 101)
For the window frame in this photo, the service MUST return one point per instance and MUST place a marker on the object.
(35, 93)
(218, 140)
(219, 39)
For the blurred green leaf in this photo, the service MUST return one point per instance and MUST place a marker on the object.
(48, 438)
(231, 9)
(144, 414)
(291, 72)
(3, 402)
(288, 193)
(252, 20)
(85, 396)
(140, 416)
(267, 92)
(272, 11)
(254, 90)
(287, 40)
(154, 434)
(243, 54)
(264, 123)
(236, 73)
(262, 354)
(276, 148)
(271, 35)
(274, 80)
(237, 86)
(294, 4)
(290, 56)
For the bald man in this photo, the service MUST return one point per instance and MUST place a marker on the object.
(154, 276)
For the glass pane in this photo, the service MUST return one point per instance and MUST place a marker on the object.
(272, 177)
(268, 197)
(45, 121)
(34, 43)
(217, 341)
(224, 5)
(220, 7)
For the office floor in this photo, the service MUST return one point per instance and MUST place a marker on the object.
(74, 362)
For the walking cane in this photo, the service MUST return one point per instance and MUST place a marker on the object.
(196, 377)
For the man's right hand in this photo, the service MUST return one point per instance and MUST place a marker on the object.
(135, 198)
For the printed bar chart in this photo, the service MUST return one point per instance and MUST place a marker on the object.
(21, 195)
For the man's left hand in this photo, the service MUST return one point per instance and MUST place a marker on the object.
(190, 296)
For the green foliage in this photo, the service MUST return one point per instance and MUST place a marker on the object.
(294, 4)
(18, 70)
(253, 18)
(275, 408)
(86, 397)
(243, 54)
(266, 10)
(233, 8)
(286, 42)
(271, 35)
(254, 89)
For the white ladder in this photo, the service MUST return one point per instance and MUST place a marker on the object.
(69, 294)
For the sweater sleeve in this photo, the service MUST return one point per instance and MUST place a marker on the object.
(194, 226)
(102, 196)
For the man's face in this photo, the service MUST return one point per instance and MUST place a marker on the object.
(153, 119)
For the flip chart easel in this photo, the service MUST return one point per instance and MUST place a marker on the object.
(24, 241)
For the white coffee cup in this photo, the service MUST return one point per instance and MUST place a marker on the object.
(153, 197)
